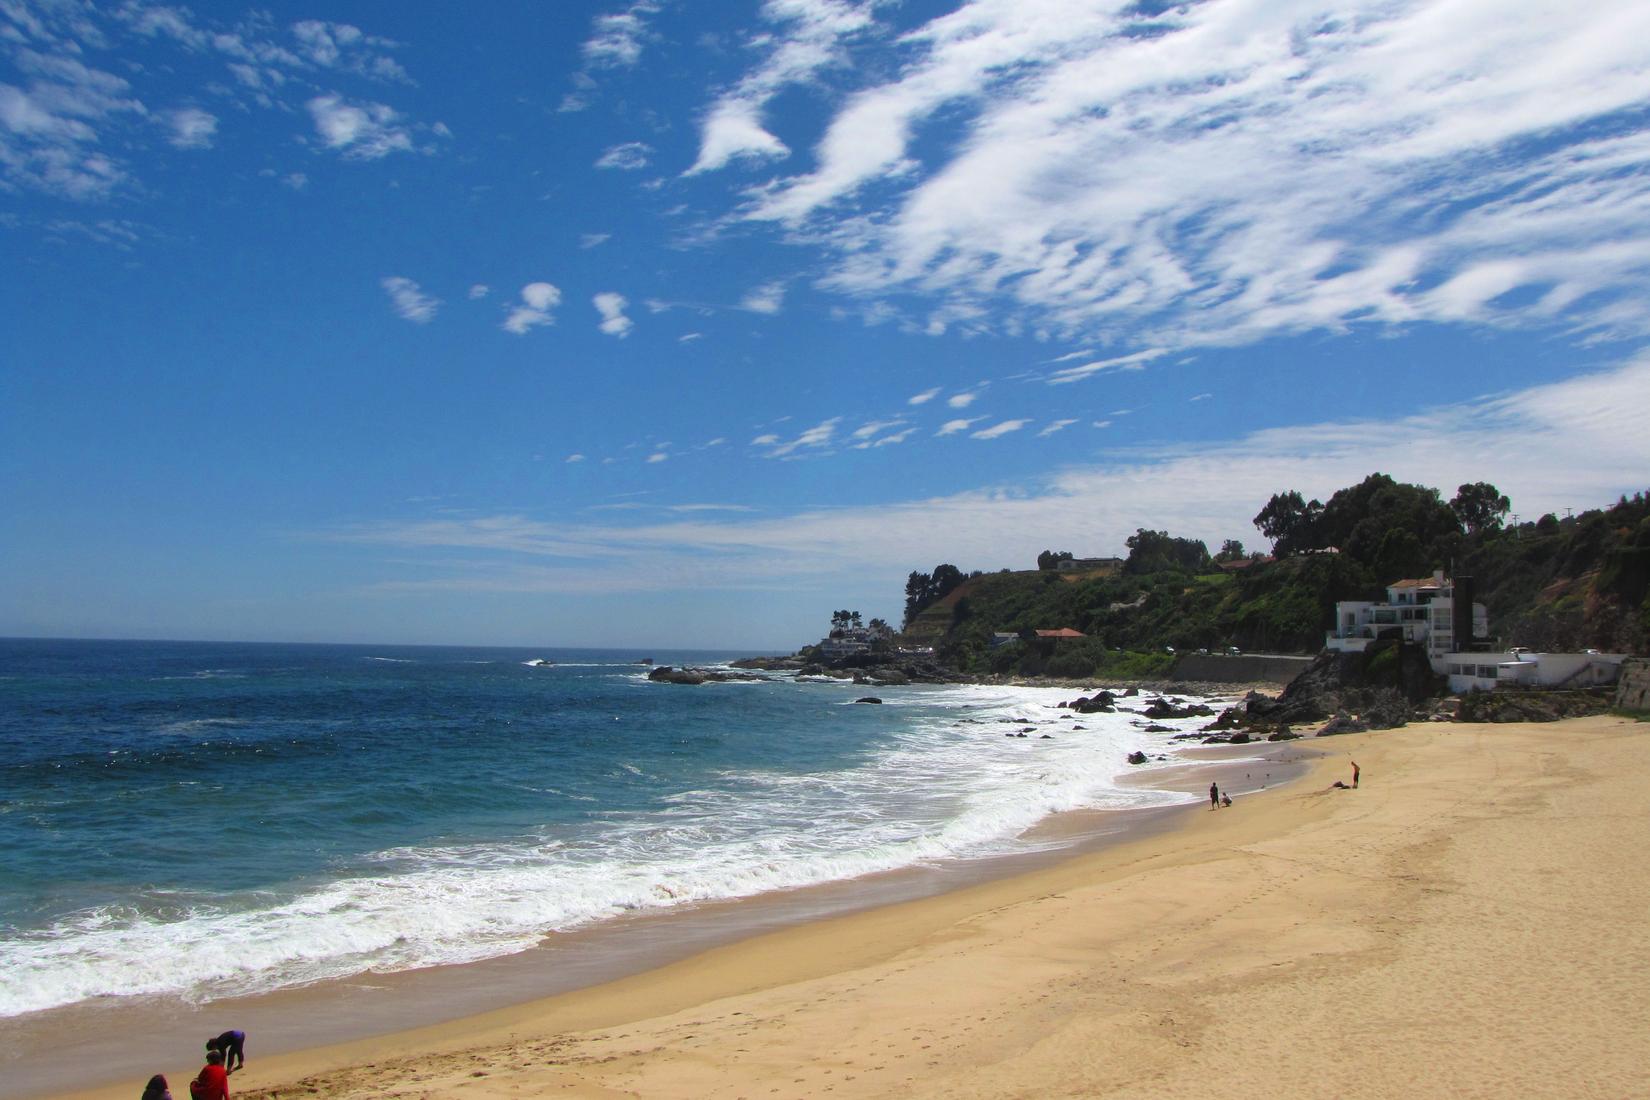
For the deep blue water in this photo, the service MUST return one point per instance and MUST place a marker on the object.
(203, 819)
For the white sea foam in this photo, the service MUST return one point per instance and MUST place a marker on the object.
(950, 785)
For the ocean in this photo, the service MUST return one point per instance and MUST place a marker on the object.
(197, 821)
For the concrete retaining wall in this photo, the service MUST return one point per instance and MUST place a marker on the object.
(1248, 668)
(1633, 689)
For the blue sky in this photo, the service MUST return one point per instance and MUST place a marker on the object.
(678, 324)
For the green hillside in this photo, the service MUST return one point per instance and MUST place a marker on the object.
(1550, 584)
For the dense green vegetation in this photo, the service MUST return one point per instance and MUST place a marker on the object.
(1549, 584)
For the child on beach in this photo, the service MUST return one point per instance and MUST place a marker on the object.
(156, 1089)
(212, 1083)
(232, 1045)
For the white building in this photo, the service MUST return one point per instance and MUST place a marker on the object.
(1421, 611)
(1521, 668)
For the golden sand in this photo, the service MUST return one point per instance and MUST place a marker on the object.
(1473, 921)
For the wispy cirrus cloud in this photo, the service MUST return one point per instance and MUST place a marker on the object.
(1571, 444)
(952, 427)
(806, 37)
(409, 299)
(628, 157)
(767, 298)
(1000, 429)
(72, 129)
(1219, 172)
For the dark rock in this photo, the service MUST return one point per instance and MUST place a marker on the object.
(1100, 703)
(868, 699)
(1164, 708)
(1344, 723)
(1153, 727)
(1137, 758)
(1241, 737)
(1532, 706)
(1284, 735)
(692, 677)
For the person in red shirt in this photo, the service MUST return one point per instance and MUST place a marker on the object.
(212, 1083)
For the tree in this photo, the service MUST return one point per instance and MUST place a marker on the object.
(1155, 551)
(923, 589)
(1480, 506)
(1231, 550)
(1291, 523)
(1051, 559)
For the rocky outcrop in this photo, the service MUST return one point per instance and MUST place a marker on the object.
(771, 664)
(1533, 706)
(1103, 702)
(1175, 708)
(1383, 686)
(868, 699)
(1633, 689)
(692, 677)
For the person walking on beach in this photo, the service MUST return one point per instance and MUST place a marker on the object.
(1214, 796)
(1354, 775)
(232, 1045)
(212, 1082)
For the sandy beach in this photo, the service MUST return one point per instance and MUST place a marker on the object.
(1468, 923)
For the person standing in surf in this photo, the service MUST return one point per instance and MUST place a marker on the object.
(1214, 796)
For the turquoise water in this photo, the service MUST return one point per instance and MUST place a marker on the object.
(199, 820)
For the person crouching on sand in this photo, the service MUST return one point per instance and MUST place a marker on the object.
(212, 1083)
(232, 1045)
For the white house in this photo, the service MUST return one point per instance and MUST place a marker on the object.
(1521, 668)
(1421, 611)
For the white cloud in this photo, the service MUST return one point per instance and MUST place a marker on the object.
(574, 458)
(873, 428)
(628, 157)
(815, 438)
(1055, 426)
(809, 36)
(764, 440)
(962, 400)
(1572, 444)
(1134, 362)
(537, 300)
(478, 291)
(611, 306)
(297, 181)
(342, 46)
(1201, 396)
(924, 397)
(1218, 172)
(616, 38)
(364, 131)
(997, 431)
(50, 129)
(689, 337)
(1102, 423)
(192, 128)
(409, 299)
(952, 427)
(658, 456)
(591, 240)
(767, 298)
